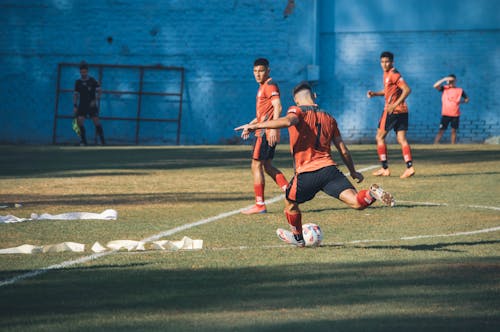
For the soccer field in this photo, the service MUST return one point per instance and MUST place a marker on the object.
(431, 263)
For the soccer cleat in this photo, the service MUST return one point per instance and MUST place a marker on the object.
(290, 238)
(257, 208)
(408, 172)
(381, 195)
(382, 172)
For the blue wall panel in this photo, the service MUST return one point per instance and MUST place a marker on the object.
(217, 41)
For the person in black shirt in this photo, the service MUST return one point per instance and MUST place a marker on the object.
(87, 94)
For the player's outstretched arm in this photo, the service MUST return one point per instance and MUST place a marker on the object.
(371, 93)
(283, 122)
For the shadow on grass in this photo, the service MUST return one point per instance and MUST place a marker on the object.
(431, 247)
(124, 199)
(377, 296)
(53, 161)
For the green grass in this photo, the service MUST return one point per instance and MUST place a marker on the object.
(245, 279)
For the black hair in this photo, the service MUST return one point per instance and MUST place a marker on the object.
(261, 62)
(452, 75)
(84, 65)
(386, 54)
(304, 85)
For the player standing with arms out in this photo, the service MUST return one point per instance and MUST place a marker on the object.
(87, 94)
(312, 132)
(395, 115)
(450, 112)
(268, 107)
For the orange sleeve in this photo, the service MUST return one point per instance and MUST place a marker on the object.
(294, 110)
(272, 91)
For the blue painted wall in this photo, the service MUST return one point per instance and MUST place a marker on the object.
(217, 41)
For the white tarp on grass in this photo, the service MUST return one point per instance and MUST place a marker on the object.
(129, 245)
(109, 214)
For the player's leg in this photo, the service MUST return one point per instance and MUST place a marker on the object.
(81, 121)
(98, 128)
(258, 187)
(453, 136)
(406, 151)
(338, 186)
(454, 129)
(259, 153)
(382, 153)
(294, 219)
(442, 128)
(438, 136)
(298, 191)
(275, 174)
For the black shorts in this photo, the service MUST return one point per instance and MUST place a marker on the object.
(87, 112)
(397, 122)
(304, 186)
(261, 149)
(445, 120)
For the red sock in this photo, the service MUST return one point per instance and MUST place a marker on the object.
(295, 222)
(364, 198)
(259, 193)
(406, 153)
(382, 152)
(281, 181)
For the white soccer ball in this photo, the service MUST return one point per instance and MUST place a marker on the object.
(312, 235)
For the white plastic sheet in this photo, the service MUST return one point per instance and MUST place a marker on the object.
(130, 245)
(108, 214)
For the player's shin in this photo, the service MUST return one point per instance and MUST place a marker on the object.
(295, 222)
(364, 198)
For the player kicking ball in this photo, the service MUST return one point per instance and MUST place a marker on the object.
(311, 132)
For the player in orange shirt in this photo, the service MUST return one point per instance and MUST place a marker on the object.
(312, 132)
(395, 115)
(268, 107)
(450, 112)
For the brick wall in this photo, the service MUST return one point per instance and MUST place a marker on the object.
(422, 58)
(217, 41)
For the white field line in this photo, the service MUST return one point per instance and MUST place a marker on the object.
(160, 235)
(404, 238)
(169, 232)
(96, 256)
(496, 208)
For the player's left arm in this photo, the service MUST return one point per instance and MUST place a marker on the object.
(405, 92)
(345, 154)
(273, 138)
(76, 96)
(466, 98)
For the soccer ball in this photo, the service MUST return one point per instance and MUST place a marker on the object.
(312, 235)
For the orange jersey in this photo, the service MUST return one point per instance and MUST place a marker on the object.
(393, 81)
(451, 100)
(311, 137)
(268, 92)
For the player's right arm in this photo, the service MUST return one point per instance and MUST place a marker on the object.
(345, 154)
(75, 98)
(438, 86)
(371, 93)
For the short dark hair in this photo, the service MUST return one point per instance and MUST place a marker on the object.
(84, 65)
(261, 62)
(452, 75)
(304, 85)
(387, 54)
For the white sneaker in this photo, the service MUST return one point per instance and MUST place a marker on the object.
(381, 195)
(290, 238)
